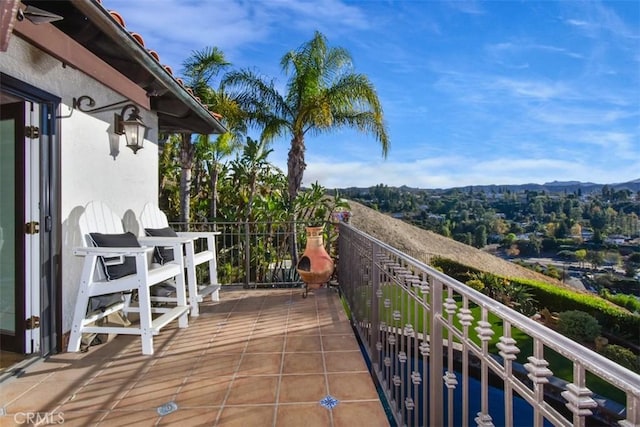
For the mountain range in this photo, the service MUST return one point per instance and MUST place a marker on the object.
(549, 187)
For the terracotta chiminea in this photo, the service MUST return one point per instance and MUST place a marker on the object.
(315, 266)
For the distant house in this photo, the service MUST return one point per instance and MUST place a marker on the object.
(67, 68)
(615, 239)
(586, 235)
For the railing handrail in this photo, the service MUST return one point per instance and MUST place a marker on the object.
(558, 342)
(408, 313)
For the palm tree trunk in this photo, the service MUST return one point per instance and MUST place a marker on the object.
(213, 207)
(186, 166)
(295, 166)
(295, 172)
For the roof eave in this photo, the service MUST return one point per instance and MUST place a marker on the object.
(103, 20)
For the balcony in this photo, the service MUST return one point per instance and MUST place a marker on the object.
(396, 343)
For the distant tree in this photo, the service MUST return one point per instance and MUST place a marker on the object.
(445, 231)
(566, 255)
(596, 258)
(613, 258)
(480, 236)
(632, 264)
(550, 229)
(576, 232)
(509, 239)
(535, 244)
(465, 238)
(598, 219)
(499, 226)
(536, 207)
(561, 231)
(581, 256)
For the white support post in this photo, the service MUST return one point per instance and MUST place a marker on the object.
(144, 300)
(213, 265)
(181, 289)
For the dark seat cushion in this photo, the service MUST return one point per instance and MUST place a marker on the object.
(125, 240)
(162, 254)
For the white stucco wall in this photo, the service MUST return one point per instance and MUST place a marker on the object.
(96, 164)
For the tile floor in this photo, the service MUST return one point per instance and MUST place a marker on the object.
(256, 358)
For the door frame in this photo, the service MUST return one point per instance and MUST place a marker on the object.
(50, 275)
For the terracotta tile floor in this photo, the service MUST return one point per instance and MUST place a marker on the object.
(256, 358)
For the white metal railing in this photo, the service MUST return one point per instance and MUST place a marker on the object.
(429, 341)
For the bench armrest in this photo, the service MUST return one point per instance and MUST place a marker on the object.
(110, 252)
(162, 241)
(198, 234)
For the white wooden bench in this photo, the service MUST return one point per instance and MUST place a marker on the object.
(99, 218)
(152, 218)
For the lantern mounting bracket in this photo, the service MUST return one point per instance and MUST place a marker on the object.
(85, 103)
(133, 128)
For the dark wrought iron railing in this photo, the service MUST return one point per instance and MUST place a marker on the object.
(258, 254)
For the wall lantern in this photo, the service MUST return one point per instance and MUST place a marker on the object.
(133, 128)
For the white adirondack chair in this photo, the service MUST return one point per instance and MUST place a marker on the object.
(152, 217)
(99, 218)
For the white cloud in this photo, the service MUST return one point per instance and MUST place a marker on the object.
(579, 115)
(543, 90)
(461, 171)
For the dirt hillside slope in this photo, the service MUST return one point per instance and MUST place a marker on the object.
(422, 244)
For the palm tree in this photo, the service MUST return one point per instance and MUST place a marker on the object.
(223, 145)
(199, 69)
(248, 170)
(323, 94)
(169, 171)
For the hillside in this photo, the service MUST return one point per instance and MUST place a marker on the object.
(423, 244)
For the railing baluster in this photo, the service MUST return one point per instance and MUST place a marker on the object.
(435, 360)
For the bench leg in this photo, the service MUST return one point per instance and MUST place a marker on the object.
(146, 331)
(192, 281)
(144, 302)
(82, 303)
(80, 311)
(213, 267)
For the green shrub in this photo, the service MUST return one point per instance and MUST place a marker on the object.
(454, 269)
(622, 356)
(627, 301)
(613, 319)
(578, 326)
(476, 284)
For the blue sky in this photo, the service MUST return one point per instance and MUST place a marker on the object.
(493, 92)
